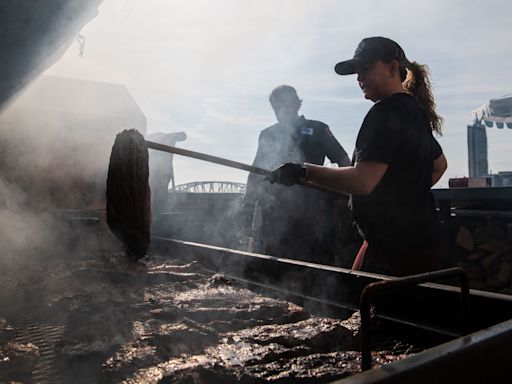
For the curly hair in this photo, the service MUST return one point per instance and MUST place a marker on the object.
(417, 82)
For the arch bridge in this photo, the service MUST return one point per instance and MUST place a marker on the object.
(210, 187)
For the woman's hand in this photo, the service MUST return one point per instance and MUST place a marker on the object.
(287, 174)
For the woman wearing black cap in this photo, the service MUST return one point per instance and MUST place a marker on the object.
(394, 165)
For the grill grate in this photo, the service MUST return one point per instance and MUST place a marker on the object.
(45, 336)
(31, 326)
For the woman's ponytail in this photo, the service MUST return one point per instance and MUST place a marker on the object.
(418, 84)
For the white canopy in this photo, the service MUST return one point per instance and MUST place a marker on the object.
(498, 110)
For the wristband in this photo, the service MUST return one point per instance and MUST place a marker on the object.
(303, 178)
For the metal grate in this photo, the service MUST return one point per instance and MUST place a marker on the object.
(45, 336)
(42, 330)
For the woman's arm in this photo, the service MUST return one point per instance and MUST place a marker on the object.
(440, 165)
(359, 179)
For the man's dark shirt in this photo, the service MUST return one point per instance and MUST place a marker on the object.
(400, 212)
(309, 141)
(292, 216)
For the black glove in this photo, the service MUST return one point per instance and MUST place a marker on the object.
(287, 174)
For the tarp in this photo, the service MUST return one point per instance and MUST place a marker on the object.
(34, 34)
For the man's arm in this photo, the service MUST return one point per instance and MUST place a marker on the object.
(359, 179)
(440, 165)
(334, 151)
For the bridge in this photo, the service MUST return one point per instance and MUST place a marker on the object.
(210, 187)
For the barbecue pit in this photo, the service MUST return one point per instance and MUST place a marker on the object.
(191, 311)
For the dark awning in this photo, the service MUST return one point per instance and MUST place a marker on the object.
(34, 34)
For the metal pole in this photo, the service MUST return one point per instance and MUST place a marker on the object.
(371, 290)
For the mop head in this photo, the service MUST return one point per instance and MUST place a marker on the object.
(128, 193)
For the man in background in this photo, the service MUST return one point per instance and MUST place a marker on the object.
(294, 222)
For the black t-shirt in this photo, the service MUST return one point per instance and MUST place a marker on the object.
(295, 213)
(308, 141)
(400, 212)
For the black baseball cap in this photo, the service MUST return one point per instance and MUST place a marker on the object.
(372, 49)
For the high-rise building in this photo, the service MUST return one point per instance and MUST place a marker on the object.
(477, 149)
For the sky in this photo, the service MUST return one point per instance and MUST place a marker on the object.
(207, 67)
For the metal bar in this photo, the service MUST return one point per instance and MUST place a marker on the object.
(209, 158)
(482, 213)
(480, 357)
(372, 289)
(344, 286)
(226, 162)
(473, 194)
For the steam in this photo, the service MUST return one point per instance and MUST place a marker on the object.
(161, 172)
(56, 139)
(18, 227)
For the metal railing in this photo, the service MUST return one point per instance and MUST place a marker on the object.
(373, 289)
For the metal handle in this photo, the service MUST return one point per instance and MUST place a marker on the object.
(222, 161)
(372, 289)
(205, 157)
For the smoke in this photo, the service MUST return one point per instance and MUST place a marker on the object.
(19, 228)
(161, 171)
(38, 158)
(56, 139)
(211, 218)
(297, 222)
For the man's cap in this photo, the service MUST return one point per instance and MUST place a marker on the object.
(370, 50)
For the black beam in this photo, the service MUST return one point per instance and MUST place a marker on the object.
(429, 305)
(481, 357)
(467, 195)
